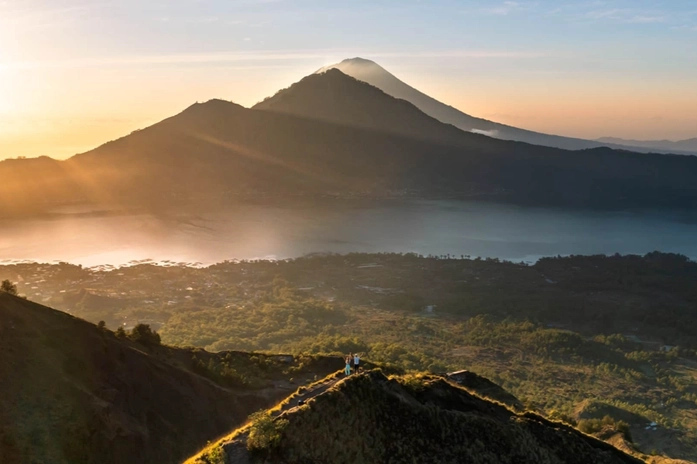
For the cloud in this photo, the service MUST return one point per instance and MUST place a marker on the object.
(488, 133)
(504, 9)
(463, 54)
(260, 56)
(600, 14)
(50, 15)
(204, 20)
(646, 19)
(626, 13)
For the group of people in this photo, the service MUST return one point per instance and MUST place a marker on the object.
(352, 363)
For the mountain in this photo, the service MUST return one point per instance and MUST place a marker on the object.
(687, 145)
(373, 418)
(74, 393)
(333, 135)
(374, 74)
(480, 163)
(335, 98)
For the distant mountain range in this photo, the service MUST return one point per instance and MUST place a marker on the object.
(374, 74)
(333, 135)
(687, 145)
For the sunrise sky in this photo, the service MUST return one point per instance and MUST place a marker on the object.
(75, 73)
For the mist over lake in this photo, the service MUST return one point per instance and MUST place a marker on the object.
(426, 227)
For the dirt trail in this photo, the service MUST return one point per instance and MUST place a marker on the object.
(236, 449)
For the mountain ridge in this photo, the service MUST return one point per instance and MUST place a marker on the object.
(685, 145)
(407, 419)
(331, 135)
(73, 392)
(374, 74)
(338, 105)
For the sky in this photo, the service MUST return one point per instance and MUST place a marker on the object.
(76, 73)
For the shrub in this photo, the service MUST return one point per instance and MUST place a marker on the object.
(623, 428)
(265, 432)
(593, 426)
(414, 382)
(8, 287)
(590, 426)
(120, 333)
(216, 456)
(143, 334)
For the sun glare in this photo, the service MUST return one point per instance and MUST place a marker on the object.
(5, 91)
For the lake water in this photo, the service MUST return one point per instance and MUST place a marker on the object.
(426, 227)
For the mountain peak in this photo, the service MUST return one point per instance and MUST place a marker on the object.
(335, 97)
(360, 60)
(371, 72)
(351, 66)
(214, 104)
(417, 418)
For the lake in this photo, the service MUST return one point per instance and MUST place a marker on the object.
(426, 227)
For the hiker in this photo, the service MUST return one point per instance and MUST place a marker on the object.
(356, 360)
(347, 371)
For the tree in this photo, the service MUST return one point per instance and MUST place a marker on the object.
(8, 287)
(120, 333)
(101, 325)
(264, 431)
(142, 333)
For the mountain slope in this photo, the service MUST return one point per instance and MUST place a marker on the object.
(372, 73)
(477, 160)
(370, 418)
(334, 98)
(332, 135)
(72, 393)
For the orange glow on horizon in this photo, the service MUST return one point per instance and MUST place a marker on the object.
(62, 112)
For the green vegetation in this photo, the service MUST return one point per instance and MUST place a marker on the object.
(80, 394)
(216, 455)
(595, 426)
(143, 334)
(8, 287)
(253, 371)
(370, 418)
(617, 330)
(264, 431)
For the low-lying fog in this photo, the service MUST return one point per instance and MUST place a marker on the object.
(426, 227)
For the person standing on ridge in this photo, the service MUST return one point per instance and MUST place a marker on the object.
(347, 370)
(356, 360)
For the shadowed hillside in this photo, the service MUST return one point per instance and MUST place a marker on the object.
(335, 97)
(332, 135)
(73, 393)
(370, 418)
